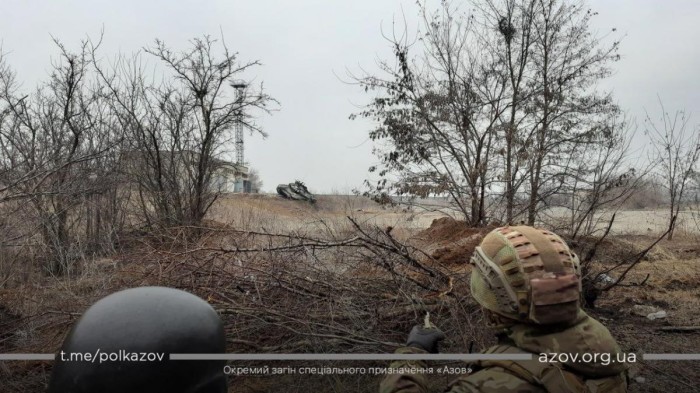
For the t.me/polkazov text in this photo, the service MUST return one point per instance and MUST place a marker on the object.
(114, 356)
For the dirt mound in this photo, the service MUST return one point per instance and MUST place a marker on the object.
(448, 229)
(450, 241)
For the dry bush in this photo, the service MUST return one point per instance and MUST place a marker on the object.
(356, 291)
(20, 246)
(326, 292)
(331, 287)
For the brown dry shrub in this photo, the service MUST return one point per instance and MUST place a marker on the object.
(333, 292)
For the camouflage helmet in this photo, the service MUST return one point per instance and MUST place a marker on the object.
(528, 275)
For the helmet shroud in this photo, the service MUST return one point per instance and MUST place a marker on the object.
(527, 274)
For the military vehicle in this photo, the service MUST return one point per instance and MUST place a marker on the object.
(296, 191)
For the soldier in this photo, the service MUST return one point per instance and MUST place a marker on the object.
(527, 282)
(145, 320)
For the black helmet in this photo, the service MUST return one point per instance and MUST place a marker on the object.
(138, 321)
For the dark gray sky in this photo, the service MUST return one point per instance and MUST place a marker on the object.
(306, 45)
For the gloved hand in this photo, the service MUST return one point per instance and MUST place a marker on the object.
(425, 338)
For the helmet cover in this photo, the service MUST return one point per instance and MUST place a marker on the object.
(527, 274)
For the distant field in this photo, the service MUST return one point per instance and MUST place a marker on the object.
(275, 214)
(643, 222)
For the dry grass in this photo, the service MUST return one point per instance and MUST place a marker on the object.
(304, 295)
(278, 215)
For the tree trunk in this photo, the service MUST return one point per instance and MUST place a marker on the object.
(510, 197)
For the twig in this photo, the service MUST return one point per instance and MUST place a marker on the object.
(591, 253)
(638, 259)
(674, 377)
(679, 329)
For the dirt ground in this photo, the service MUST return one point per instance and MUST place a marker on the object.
(36, 315)
(671, 281)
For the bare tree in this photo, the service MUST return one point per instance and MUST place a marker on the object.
(438, 113)
(568, 61)
(514, 44)
(180, 126)
(601, 178)
(71, 151)
(256, 182)
(50, 141)
(676, 150)
(492, 103)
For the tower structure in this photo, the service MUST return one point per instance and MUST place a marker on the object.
(240, 159)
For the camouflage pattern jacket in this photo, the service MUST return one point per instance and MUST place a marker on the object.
(585, 335)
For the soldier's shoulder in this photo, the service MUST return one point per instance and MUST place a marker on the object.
(492, 380)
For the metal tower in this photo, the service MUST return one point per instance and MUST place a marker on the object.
(240, 87)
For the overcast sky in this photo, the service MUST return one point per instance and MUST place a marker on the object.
(306, 46)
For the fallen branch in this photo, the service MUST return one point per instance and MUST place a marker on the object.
(680, 329)
(400, 249)
(638, 259)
